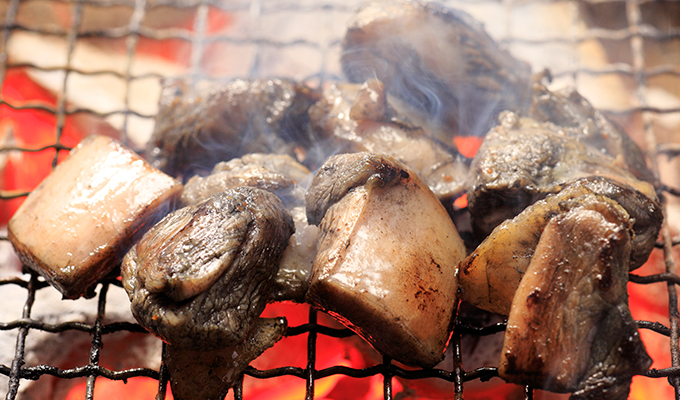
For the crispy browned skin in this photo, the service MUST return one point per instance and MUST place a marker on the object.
(201, 276)
(78, 224)
(387, 256)
(570, 329)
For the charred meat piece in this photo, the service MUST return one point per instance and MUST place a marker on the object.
(577, 118)
(279, 174)
(201, 276)
(439, 60)
(489, 276)
(387, 256)
(77, 225)
(208, 375)
(199, 127)
(522, 160)
(275, 173)
(570, 329)
(363, 118)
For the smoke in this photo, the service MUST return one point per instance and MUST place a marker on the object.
(439, 61)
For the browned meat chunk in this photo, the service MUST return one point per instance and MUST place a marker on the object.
(489, 276)
(573, 114)
(363, 118)
(570, 329)
(275, 173)
(387, 256)
(522, 160)
(78, 224)
(443, 63)
(201, 276)
(197, 128)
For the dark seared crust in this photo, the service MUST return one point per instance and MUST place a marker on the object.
(522, 161)
(590, 344)
(343, 172)
(568, 109)
(202, 275)
(646, 214)
(195, 130)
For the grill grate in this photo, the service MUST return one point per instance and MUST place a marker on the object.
(263, 51)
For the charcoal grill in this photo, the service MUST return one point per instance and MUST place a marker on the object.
(639, 42)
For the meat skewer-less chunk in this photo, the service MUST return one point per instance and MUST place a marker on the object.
(490, 275)
(523, 160)
(197, 127)
(387, 256)
(575, 116)
(201, 276)
(77, 225)
(439, 60)
(570, 329)
(279, 174)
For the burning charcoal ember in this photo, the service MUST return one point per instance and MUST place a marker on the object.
(387, 256)
(201, 276)
(570, 329)
(275, 173)
(77, 225)
(363, 118)
(437, 59)
(522, 160)
(208, 375)
(490, 275)
(574, 115)
(197, 127)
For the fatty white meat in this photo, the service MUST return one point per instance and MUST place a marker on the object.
(387, 256)
(77, 225)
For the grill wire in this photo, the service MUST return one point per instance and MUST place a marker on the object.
(635, 32)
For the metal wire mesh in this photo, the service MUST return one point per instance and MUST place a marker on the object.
(262, 49)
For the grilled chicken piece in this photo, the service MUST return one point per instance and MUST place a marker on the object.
(439, 60)
(77, 225)
(490, 275)
(279, 174)
(208, 375)
(197, 128)
(523, 160)
(387, 257)
(364, 118)
(570, 329)
(201, 276)
(275, 173)
(575, 116)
